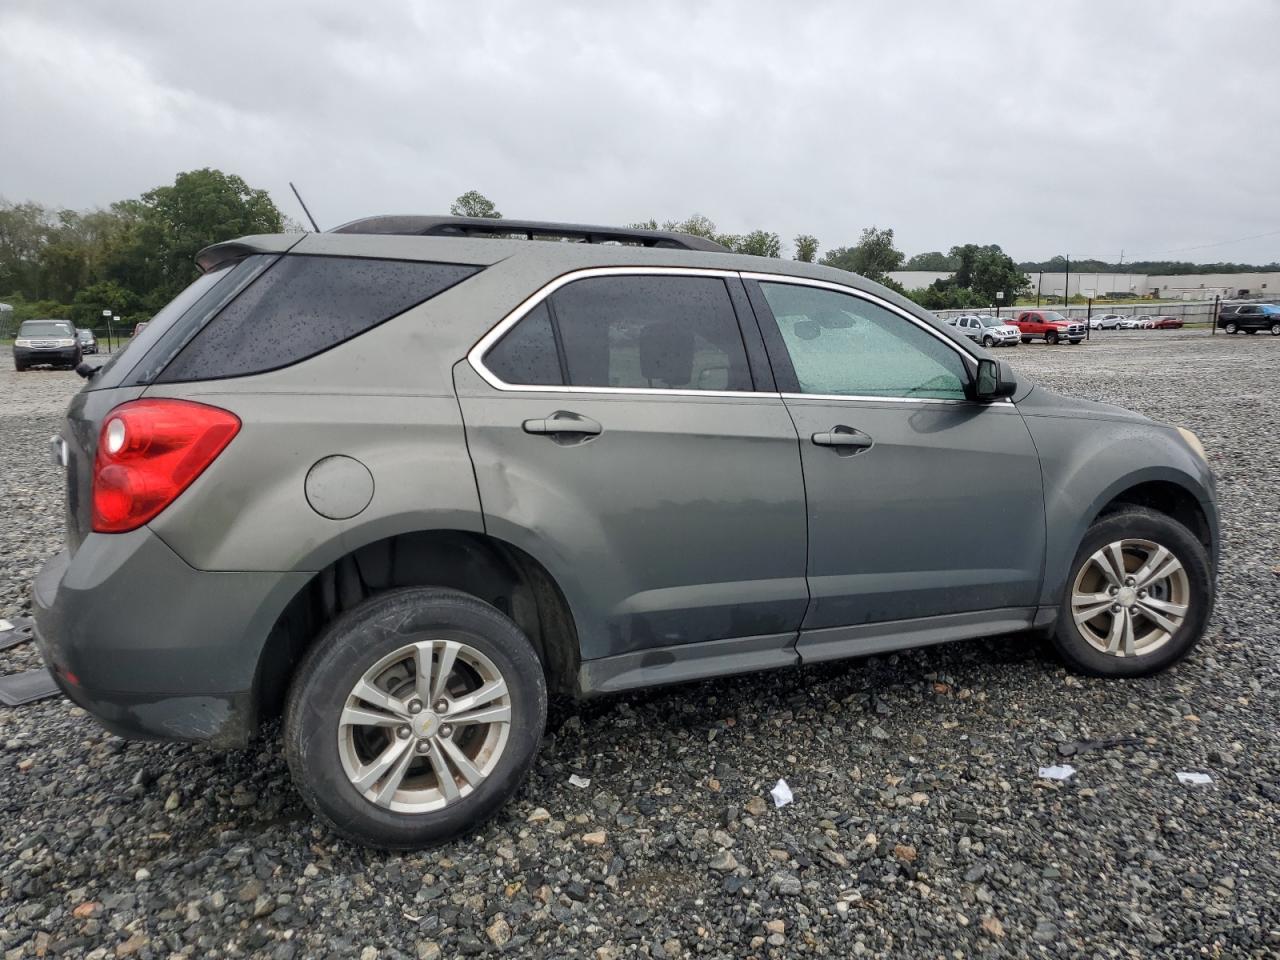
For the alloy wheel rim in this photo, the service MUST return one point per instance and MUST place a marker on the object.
(1130, 597)
(424, 726)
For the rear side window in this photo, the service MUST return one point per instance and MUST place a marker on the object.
(629, 332)
(302, 306)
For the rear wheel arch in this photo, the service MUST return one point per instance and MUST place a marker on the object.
(495, 572)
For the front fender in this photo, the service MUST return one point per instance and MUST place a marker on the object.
(1087, 463)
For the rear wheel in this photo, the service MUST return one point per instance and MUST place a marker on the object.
(1138, 597)
(414, 717)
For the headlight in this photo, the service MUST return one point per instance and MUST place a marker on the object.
(66, 343)
(1193, 442)
(23, 343)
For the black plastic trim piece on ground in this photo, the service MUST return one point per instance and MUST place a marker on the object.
(21, 630)
(27, 687)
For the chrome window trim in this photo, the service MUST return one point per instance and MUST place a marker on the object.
(475, 356)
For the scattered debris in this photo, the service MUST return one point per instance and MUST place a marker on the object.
(581, 782)
(16, 631)
(27, 687)
(781, 794)
(1193, 779)
(1057, 772)
(1084, 746)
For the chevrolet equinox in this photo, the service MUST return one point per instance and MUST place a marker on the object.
(398, 481)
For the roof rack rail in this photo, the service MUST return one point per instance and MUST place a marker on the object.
(424, 226)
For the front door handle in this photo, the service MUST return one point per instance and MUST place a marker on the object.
(846, 440)
(564, 424)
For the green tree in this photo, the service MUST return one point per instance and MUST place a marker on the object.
(806, 248)
(987, 270)
(873, 256)
(473, 203)
(758, 243)
(168, 226)
(935, 260)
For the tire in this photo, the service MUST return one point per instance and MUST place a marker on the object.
(1051, 339)
(1231, 328)
(988, 342)
(20, 367)
(1275, 329)
(1192, 586)
(378, 631)
(1026, 339)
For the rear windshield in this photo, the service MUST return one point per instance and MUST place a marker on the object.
(46, 328)
(269, 311)
(299, 306)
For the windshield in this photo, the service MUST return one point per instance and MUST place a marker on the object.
(1051, 316)
(991, 321)
(46, 328)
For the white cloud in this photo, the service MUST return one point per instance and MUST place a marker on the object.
(1075, 128)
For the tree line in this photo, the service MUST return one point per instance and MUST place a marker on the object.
(137, 254)
(131, 258)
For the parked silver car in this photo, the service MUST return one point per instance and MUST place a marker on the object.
(400, 480)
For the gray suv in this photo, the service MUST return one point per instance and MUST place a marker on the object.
(400, 480)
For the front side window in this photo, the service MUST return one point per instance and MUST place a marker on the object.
(844, 345)
(660, 332)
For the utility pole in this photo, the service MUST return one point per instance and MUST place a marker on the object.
(1213, 321)
(1066, 284)
(1039, 281)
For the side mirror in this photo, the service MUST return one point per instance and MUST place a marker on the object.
(994, 381)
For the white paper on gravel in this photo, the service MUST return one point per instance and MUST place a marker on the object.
(5, 625)
(1193, 779)
(1062, 772)
(781, 794)
(577, 781)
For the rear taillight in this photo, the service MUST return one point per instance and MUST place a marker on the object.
(149, 451)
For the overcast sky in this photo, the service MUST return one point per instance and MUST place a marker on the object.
(1081, 128)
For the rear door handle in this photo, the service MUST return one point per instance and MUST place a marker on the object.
(566, 424)
(845, 439)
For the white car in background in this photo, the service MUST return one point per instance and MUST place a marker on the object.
(1136, 323)
(987, 330)
(1108, 321)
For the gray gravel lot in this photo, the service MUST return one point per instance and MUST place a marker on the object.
(919, 827)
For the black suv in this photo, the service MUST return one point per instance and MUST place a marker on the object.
(1250, 318)
(53, 342)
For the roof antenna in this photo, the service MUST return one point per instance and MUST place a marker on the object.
(304, 206)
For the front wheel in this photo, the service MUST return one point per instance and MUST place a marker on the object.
(1026, 339)
(414, 717)
(1275, 329)
(1231, 328)
(1051, 339)
(1138, 596)
(988, 341)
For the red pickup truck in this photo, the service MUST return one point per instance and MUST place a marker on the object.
(1053, 326)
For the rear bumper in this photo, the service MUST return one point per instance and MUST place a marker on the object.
(31, 356)
(152, 647)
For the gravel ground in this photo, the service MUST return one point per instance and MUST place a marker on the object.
(919, 826)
